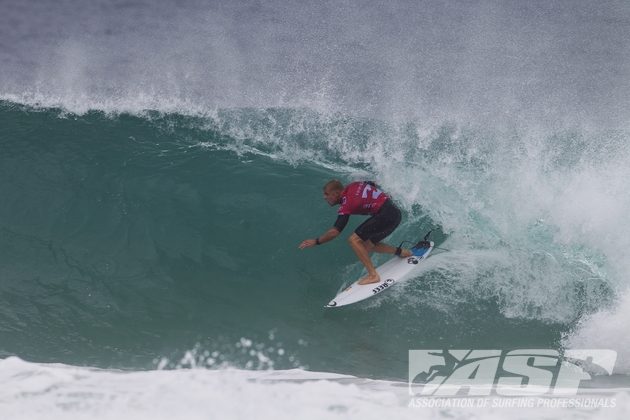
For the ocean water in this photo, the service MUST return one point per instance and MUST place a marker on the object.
(161, 162)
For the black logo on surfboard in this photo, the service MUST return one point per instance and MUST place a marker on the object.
(383, 286)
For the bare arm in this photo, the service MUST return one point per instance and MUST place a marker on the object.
(330, 234)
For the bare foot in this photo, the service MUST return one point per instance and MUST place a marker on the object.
(370, 278)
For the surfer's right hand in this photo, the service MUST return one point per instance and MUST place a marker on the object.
(307, 243)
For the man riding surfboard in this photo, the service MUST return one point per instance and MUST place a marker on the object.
(364, 198)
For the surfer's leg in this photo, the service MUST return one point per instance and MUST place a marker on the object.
(378, 227)
(369, 246)
(359, 247)
(383, 248)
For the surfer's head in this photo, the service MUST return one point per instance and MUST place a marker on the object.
(332, 192)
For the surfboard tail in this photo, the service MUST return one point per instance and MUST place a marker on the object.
(424, 243)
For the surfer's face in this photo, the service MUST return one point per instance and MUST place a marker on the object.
(332, 196)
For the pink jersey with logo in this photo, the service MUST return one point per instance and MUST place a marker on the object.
(361, 198)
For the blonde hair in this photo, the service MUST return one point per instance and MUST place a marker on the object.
(334, 185)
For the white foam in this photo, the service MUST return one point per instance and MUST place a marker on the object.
(56, 391)
(606, 329)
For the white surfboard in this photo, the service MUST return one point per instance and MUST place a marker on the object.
(391, 272)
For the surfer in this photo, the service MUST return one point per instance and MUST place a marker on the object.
(365, 198)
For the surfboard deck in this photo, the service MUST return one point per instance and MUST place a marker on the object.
(390, 272)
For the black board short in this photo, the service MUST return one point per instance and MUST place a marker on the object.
(379, 226)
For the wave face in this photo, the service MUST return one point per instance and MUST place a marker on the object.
(171, 240)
